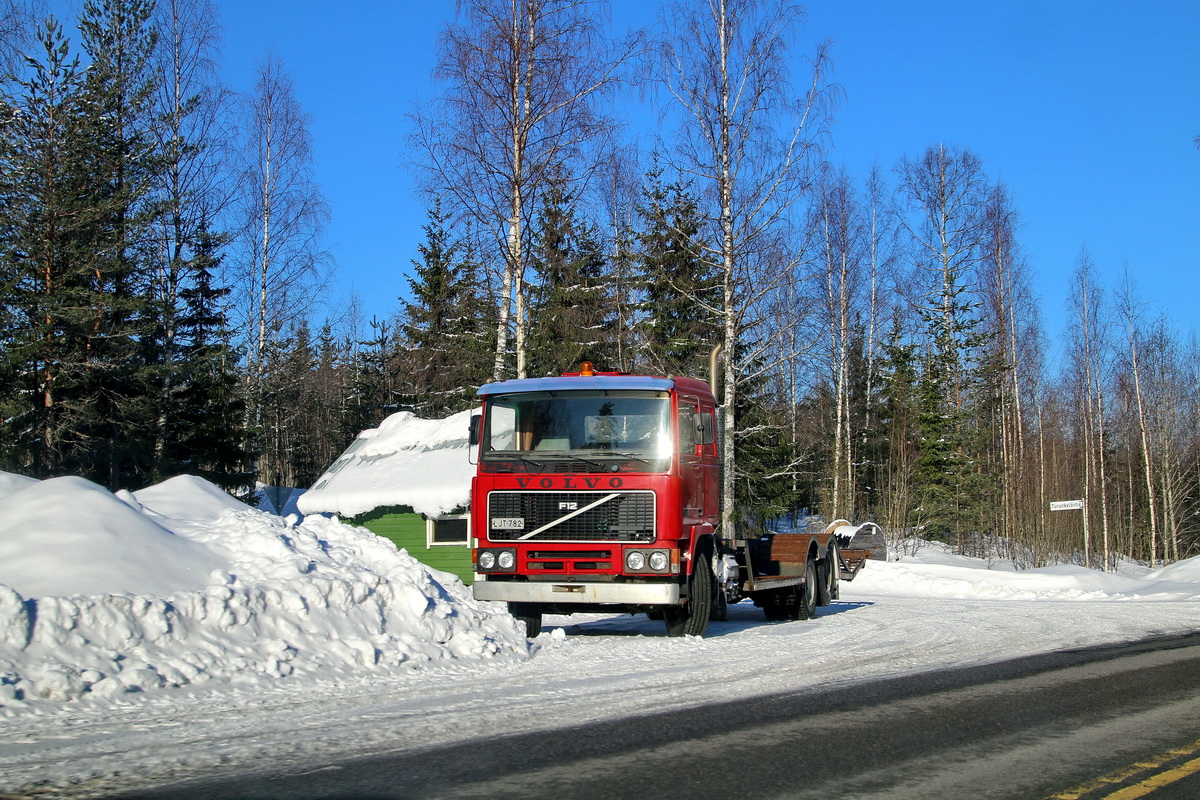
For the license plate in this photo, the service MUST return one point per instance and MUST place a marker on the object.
(508, 523)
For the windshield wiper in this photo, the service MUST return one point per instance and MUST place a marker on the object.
(636, 457)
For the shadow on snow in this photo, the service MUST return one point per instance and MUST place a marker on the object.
(742, 616)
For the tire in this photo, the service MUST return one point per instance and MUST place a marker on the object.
(828, 573)
(806, 595)
(691, 619)
(528, 615)
(720, 609)
(720, 605)
(778, 606)
(775, 607)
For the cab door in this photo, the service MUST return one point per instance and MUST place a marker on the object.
(691, 461)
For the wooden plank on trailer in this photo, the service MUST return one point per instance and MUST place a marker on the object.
(790, 547)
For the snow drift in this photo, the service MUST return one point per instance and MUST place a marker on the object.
(935, 572)
(102, 595)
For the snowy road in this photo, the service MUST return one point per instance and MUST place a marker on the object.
(597, 668)
(1036, 727)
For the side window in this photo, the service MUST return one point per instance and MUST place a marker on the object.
(690, 433)
(447, 531)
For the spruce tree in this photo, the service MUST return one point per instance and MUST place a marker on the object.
(475, 326)
(207, 435)
(898, 506)
(46, 208)
(285, 455)
(681, 289)
(372, 391)
(113, 445)
(572, 313)
(432, 318)
(449, 328)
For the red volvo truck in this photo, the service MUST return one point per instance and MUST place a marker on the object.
(600, 491)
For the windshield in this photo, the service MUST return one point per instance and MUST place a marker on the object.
(581, 424)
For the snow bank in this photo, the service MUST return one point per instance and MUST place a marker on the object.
(187, 497)
(933, 571)
(180, 584)
(96, 543)
(406, 461)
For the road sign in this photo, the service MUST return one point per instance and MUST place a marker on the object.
(1066, 505)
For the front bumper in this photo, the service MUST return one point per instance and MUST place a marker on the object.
(636, 594)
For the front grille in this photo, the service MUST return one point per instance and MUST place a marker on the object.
(533, 516)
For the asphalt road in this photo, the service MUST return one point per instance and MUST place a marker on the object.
(1116, 722)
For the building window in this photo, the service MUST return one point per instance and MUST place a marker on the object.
(453, 530)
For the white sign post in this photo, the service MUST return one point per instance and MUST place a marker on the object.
(1076, 505)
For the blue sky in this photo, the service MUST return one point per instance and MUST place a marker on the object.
(1086, 110)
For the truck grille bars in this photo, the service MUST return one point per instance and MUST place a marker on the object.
(571, 516)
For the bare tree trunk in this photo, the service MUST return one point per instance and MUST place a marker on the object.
(1128, 311)
(285, 215)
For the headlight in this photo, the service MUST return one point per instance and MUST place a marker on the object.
(487, 560)
(507, 559)
(635, 560)
(658, 561)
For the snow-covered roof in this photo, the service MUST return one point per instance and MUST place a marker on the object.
(406, 461)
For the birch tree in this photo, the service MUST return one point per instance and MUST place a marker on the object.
(1091, 357)
(1128, 307)
(17, 31)
(283, 214)
(840, 261)
(523, 82)
(748, 141)
(1012, 351)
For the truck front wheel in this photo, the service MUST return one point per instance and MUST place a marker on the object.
(529, 615)
(691, 619)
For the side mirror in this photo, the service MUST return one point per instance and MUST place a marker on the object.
(476, 426)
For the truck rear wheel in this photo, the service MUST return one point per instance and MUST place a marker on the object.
(828, 573)
(806, 595)
(775, 607)
(528, 615)
(691, 619)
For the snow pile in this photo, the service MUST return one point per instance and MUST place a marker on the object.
(406, 461)
(98, 544)
(933, 571)
(179, 584)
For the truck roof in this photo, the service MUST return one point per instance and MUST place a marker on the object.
(594, 382)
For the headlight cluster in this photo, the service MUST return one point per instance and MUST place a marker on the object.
(643, 560)
(504, 560)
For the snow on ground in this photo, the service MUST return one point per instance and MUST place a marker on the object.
(315, 641)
